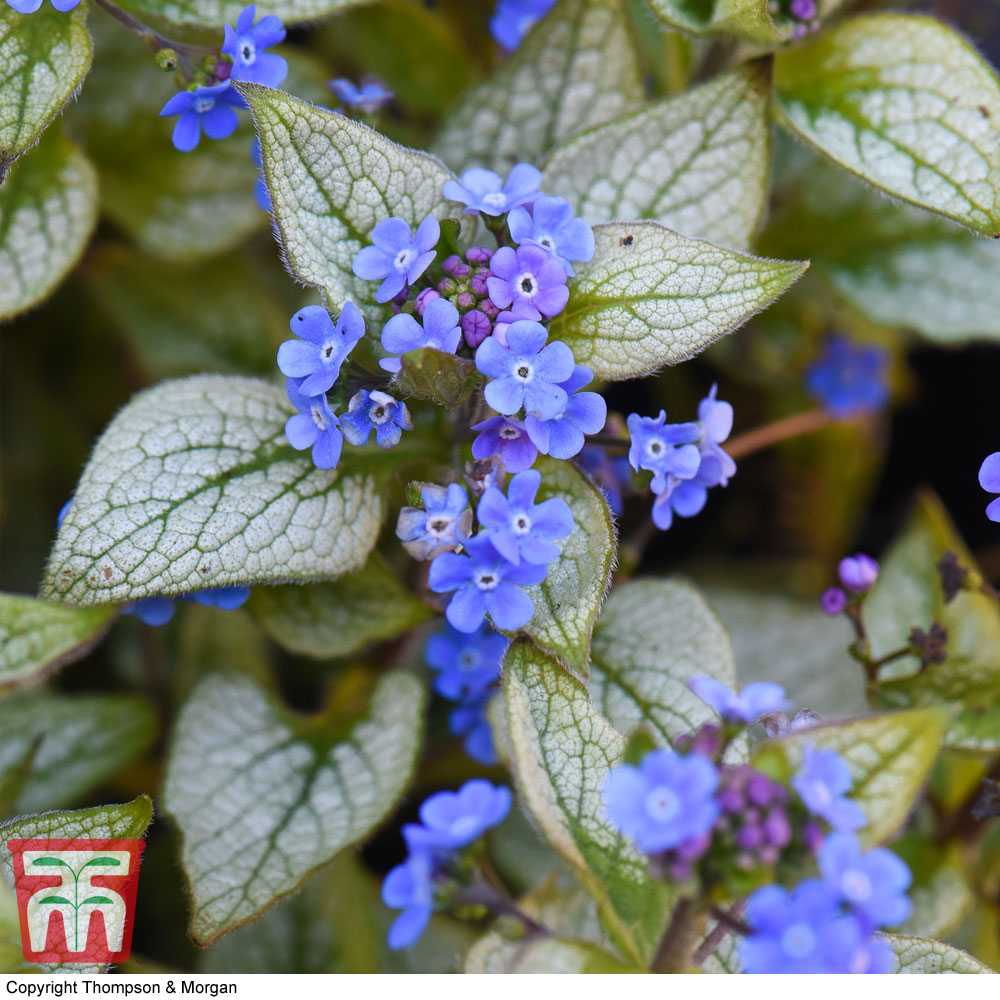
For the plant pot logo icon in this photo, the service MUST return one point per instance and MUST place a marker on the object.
(76, 898)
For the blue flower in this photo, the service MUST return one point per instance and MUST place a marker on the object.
(226, 598)
(398, 255)
(469, 721)
(527, 372)
(749, 705)
(208, 109)
(442, 525)
(514, 18)
(585, 413)
(519, 528)
(530, 280)
(805, 931)
(858, 572)
(246, 44)
(30, 6)
(484, 583)
(715, 421)
(663, 449)
(484, 191)
(507, 438)
(368, 98)
(63, 511)
(409, 887)
(684, 497)
(375, 411)
(610, 472)
(550, 224)
(403, 333)
(466, 663)
(667, 800)
(822, 784)
(989, 479)
(847, 378)
(314, 426)
(872, 883)
(452, 820)
(833, 600)
(317, 357)
(151, 610)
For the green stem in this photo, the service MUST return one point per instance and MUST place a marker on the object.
(675, 952)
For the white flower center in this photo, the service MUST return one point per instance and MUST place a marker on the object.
(379, 414)
(798, 941)
(319, 417)
(526, 285)
(486, 580)
(547, 242)
(523, 372)
(662, 804)
(249, 52)
(203, 104)
(404, 259)
(655, 447)
(509, 433)
(521, 524)
(439, 525)
(495, 199)
(327, 351)
(857, 885)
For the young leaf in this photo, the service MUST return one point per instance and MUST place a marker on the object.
(651, 298)
(578, 67)
(48, 209)
(193, 485)
(296, 791)
(444, 379)
(78, 741)
(562, 751)
(38, 636)
(908, 593)
(567, 602)
(327, 620)
(43, 59)
(889, 756)
(748, 19)
(698, 163)
(924, 956)
(907, 104)
(651, 639)
(331, 180)
(212, 13)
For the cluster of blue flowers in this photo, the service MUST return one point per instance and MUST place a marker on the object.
(30, 6)
(512, 549)
(848, 379)
(687, 809)
(467, 669)
(686, 459)
(449, 822)
(211, 107)
(857, 574)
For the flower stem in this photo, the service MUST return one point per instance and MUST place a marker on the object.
(780, 430)
(676, 948)
(727, 920)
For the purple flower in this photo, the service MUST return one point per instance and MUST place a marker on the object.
(530, 280)
(484, 191)
(822, 784)
(748, 706)
(834, 600)
(151, 610)
(804, 10)
(452, 820)
(550, 224)
(507, 438)
(514, 18)
(667, 800)
(989, 479)
(208, 109)
(375, 411)
(527, 372)
(858, 573)
(663, 449)
(872, 883)
(442, 525)
(469, 721)
(246, 45)
(585, 413)
(409, 887)
(804, 931)
(314, 426)
(367, 98)
(316, 358)
(519, 528)
(403, 333)
(398, 255)
(226, 598)
(484, 583)
(847, 378)
(467, 664)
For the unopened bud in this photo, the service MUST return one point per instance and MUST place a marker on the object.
(166, 59)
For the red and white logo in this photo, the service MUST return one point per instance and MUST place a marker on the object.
(76, 898)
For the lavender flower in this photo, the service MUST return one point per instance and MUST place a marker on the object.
(403, 333)
(398, 255)
(443, 524)
(507, 438)
(530, 280)
(484, 191)
(989, 479)
(550, 224)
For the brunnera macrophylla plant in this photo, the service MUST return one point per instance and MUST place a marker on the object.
(445, 475)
